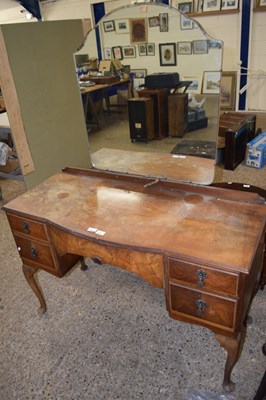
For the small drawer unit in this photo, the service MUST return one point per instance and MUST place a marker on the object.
(33, 243)
(206, 295)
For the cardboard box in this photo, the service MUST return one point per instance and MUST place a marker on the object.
(106, 66)
(256, 151)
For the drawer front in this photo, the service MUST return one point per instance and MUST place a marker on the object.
(204, 306)
(27, 227)
(32, 250)
(203, 277)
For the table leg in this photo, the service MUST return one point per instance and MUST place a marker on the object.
(29, 274)
(233, 346)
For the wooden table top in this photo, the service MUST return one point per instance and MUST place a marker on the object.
(222, 232)
(181, 168)
(99, 86)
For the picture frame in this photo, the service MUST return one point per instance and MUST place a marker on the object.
(200, 6)
(261, 4)
(211, 82)
(229, 5)
(138, 30)
(195, 86)
(154, 21)
(228, 90)
(167, 54)
(108, 26)
(150, 48)
(215, 44)
(129, 52)
(117, 52)
(176, 4)
(107, 52)
(186, 7)
(163, 19)
(211, 5)
(186, 23)
(122, 26)
(184, 48)
(200, 46)
(139, 73)
(138, 82)
(142, 49)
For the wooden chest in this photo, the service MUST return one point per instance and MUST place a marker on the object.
(237, 129)
(177, 114)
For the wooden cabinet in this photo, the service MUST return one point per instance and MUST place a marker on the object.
(177, 114)
(160, 110)
(141, 120)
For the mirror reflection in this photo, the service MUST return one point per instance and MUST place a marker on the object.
(149, 78)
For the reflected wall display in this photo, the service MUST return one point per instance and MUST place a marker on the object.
(158, 39)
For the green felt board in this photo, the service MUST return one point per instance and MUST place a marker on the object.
(41, 59)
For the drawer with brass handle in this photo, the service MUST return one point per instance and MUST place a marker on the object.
(215, 309)
(27, 227)
(34, 251)
(203, 277)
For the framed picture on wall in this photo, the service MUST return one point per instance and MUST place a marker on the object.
(154, 21)
(211, 82)
(108, 26)
(117, 52)
(261, 4)
(186, 7)
(228, 90)
(142, 49)
(150, 49)
(195, 86)
(163, 17)
(229, 5)
(122, 26)
(107, 51)
(211, 5)
(138, 30)
(129, 52)
(200, 6)
(139, 73)
(200, 46)
(167, 54)
(186, 23)
(184, 47)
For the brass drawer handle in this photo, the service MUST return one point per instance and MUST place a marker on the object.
(26, 227)
(33, 252)
(201, 275)
(201, 305)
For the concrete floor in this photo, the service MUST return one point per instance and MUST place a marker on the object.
(106, 334)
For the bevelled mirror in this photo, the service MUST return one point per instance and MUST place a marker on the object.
(149, 78)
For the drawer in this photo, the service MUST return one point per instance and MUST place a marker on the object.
(27, 227)
(213, 309)
(203, 277)
(34, 251)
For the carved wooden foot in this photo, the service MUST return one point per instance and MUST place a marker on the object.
(29, 273)
(83, 265)
(233, 346)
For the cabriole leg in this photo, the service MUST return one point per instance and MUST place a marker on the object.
(233, 346)
(29, 274)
